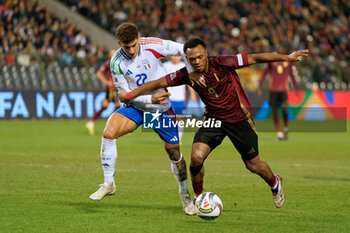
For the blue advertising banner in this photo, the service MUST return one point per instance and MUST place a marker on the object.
(51, 104)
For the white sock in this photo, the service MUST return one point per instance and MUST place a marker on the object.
(108, 158)
(181, 132)
(182, 184)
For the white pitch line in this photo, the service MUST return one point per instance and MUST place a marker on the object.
(42, 165)
(319, 166)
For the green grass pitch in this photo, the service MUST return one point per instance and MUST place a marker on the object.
(48, 169)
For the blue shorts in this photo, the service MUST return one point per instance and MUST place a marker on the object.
(179, 107)
(167, 131)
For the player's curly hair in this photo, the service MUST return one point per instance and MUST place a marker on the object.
(193, 42)
(127, 32)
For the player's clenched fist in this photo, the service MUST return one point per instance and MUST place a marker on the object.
(159, 97)
(122, 97)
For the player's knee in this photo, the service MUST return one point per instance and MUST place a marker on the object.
(173, 152)
(109, 134)
(196, 162)
(197, 158)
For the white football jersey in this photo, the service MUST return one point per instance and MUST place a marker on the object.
(129, 73)
(178, 93)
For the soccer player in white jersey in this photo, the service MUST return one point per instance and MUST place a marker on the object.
(136, 62)
(178, 93)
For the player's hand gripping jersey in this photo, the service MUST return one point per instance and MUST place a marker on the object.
(145, 67)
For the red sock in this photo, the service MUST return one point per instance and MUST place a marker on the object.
(276, 121)
(98, 114)
(272, 181)
(285, 117)
(197, 187)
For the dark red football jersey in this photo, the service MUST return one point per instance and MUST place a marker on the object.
(279, 73)
(106, 70)
(224, 96)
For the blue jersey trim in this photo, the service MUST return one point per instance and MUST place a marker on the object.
(124, 54)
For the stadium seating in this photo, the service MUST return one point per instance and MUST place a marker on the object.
(31, 51)
(253, 26)
(55, 78)
(234, 27)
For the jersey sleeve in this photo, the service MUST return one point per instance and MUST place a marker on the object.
(233, 61)
(104, 67)
(164, 48)
(178, 78)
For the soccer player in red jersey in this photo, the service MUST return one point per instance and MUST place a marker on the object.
(225, 100)
(278, 86)
(105, 76)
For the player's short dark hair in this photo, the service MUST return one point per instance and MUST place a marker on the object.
(193, 42)
(127, 32)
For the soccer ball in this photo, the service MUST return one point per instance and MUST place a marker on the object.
(208, 205)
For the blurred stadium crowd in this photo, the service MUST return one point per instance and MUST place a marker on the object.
(30, 33)
(32, 36)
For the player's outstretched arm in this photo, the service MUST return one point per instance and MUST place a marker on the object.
(101, 77)
(144, 89)
(272, 57)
